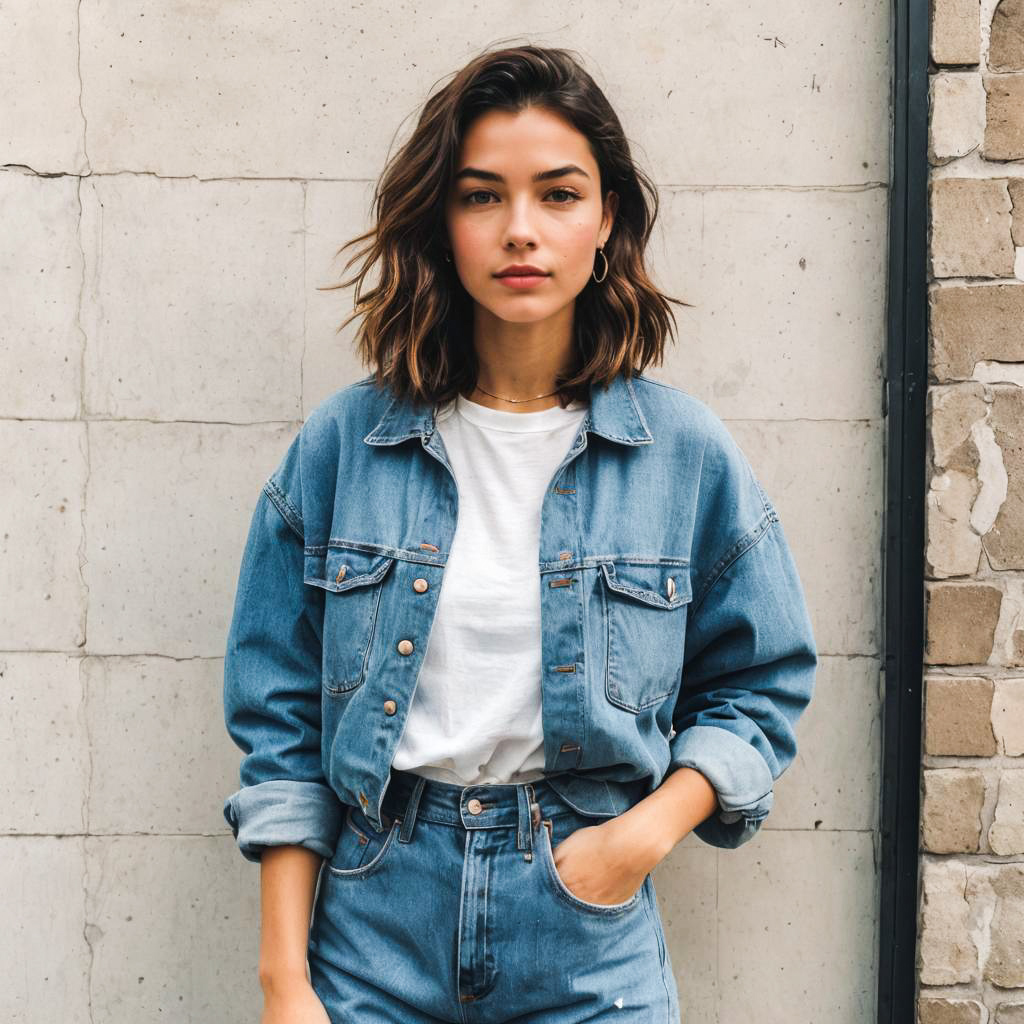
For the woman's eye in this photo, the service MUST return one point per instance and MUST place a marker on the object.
(573, 197)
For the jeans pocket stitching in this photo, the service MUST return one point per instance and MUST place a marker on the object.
(566, 894)
(374, 862)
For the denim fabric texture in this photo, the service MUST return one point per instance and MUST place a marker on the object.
(674, 627)
(455, 912)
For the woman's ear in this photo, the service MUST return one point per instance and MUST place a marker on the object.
(611, 207)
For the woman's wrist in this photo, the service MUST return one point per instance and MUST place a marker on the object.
(278, 979)
(663, 818)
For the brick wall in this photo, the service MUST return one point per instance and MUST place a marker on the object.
(971, 953)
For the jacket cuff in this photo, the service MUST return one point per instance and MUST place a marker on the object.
(739, 774)
(282, 812)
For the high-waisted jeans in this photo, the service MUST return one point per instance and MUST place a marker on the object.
(455, 912)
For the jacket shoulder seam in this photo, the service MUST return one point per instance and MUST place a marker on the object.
(286, 507)
(738, 548)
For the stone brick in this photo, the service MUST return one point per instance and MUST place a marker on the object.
(956, 32)
(1004, 542)
(951, 817)
(958, 433)
(961, 622)
(1006, 39)
(1015, 186)
(1004, 117)
(949, 1011)
(1005, 964)
(948, 949)
(1008, 716)
(970, 323)
(958, 716)
(1006, 834)
(970, 227)
(953, 547)
(954, 412)
(957, 122)
(1009, 1013)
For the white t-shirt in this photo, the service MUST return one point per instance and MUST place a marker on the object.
(475, 717)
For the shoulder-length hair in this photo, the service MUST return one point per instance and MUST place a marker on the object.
(416, 332)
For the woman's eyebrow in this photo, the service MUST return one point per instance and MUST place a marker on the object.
(557, 172)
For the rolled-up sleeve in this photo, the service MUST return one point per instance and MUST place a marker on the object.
(272, 691)
(748, 674)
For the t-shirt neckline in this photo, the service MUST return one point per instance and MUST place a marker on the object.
(518, 422)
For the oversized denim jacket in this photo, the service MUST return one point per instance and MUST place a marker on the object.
(674, 629)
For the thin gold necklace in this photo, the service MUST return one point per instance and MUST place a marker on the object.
(515, 400)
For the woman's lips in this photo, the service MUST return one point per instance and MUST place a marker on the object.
(523, 280)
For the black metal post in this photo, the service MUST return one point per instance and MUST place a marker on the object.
(906, 386)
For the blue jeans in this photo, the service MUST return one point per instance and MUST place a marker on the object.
(455, 912)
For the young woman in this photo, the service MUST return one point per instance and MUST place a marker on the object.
(512, 619)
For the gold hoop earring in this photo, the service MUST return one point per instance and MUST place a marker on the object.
(605, 274)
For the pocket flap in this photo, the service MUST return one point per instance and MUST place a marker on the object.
(658, 584)
(344, 568)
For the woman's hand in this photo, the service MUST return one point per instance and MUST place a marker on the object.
(607, 863)
(292, 1003)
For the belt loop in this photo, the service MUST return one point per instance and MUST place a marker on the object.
(529, 812)
(523, 802)
(411, 806)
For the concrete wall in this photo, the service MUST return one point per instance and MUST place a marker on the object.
(176, 179)
(971, 950)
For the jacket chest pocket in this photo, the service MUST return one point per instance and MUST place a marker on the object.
(644, 606)
(354, 580)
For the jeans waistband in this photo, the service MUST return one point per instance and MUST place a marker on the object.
(518, 805)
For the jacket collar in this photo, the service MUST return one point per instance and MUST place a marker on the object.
(614, 413)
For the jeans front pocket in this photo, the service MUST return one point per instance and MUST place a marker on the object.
(644, 604)
(361, 850)
(561, 890)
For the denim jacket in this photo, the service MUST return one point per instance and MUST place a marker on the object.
(674, 629)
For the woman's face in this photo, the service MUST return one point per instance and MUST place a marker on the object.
(498, 213)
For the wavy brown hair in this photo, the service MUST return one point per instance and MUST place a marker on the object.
(416, 332)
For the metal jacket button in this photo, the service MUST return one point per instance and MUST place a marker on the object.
(474, 806)
(405, 647)
(390, 707)
(419, 585)
(671, 588)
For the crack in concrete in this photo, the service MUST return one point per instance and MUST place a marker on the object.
(81, 89)
(305, 298)
(82, 557)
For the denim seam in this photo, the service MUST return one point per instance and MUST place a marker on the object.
(286, 507)
(652, 910)
(736, 551)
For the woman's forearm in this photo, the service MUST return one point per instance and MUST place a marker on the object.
(287, 883)
(684, 799)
